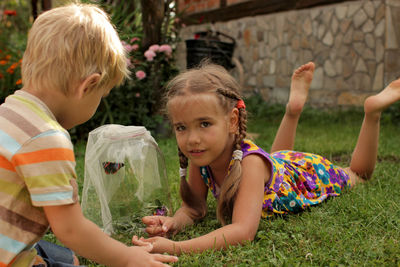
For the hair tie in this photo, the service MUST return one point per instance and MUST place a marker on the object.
(182, 172)
(238, 154)
(240, 104)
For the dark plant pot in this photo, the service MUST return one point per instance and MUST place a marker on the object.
(218, 52)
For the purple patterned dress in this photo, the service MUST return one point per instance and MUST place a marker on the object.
(298, 180)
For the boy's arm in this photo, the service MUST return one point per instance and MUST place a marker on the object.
(86, 239)
(245, 219)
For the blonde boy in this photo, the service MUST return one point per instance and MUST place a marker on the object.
(73, 59)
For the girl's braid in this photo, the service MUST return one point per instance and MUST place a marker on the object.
(231, 182)
(183, 160)
(242, 116)
(198, 205)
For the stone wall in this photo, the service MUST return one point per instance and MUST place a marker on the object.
(195, 6)
(355, 46)
(198, 5)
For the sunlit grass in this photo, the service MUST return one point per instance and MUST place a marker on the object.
(359, 228)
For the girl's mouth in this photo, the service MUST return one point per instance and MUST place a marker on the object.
(196, 153)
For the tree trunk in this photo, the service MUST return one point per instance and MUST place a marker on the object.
(46, 5)
(152, 18)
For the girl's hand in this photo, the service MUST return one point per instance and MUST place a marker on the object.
(140, 256)
(156, 244)
(160, 225)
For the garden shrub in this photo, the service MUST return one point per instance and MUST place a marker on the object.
(14, 25)
(139, 99)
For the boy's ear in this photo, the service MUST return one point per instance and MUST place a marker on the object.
(234, 121)
(88, 84)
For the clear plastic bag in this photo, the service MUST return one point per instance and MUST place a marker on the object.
(125, 175)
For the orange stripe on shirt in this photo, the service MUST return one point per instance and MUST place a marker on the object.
(43, 155)
(5, 164)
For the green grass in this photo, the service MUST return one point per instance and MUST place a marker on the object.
(359, 228)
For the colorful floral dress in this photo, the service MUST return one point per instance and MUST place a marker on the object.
(298, 180)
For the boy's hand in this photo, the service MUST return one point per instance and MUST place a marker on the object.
(140, 256)
(160, 225)
(157, 244)
(87, 240)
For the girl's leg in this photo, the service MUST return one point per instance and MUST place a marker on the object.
(365, 153)
(301, 80)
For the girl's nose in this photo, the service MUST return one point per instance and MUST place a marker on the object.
(194, 137)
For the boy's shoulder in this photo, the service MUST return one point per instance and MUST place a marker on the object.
(24, 116)
(36, 157)
(26, 124)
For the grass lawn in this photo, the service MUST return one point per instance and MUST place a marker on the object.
(359, 228)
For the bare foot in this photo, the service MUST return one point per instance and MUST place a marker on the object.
(354, 177)
(301, 80)
(76, 261)
(377, 103)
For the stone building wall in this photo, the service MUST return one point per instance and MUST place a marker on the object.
(198, 5)
(355, 46)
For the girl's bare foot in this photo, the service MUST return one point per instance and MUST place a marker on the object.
(374, 105)
(76, 261)
(301, 80)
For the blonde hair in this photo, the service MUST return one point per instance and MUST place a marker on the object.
(67, 44)
(212, 78)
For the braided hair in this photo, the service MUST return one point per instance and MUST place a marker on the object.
(209, 77)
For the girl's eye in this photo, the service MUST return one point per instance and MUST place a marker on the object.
(205, 124)
(180, 128)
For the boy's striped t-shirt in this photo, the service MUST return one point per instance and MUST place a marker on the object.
(37, 168)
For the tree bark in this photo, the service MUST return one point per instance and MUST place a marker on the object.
(46, 5)
(152, 18)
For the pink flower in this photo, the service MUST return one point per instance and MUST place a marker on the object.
(135, 47)
(166, 49)
(154, 48)
(128, 48)
(129, 63)
(134, 39)
(149, 54)
(137, 95)
(140, 75)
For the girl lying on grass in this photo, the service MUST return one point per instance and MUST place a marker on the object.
(209, 119)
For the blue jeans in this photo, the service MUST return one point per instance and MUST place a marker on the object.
(54, 255)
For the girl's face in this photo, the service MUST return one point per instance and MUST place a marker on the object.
(204, 131)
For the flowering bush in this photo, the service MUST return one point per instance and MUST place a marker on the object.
(139, 100)
(9, 71)
(13, 29)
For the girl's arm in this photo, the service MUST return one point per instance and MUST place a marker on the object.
(184, 216)
(245, 219)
